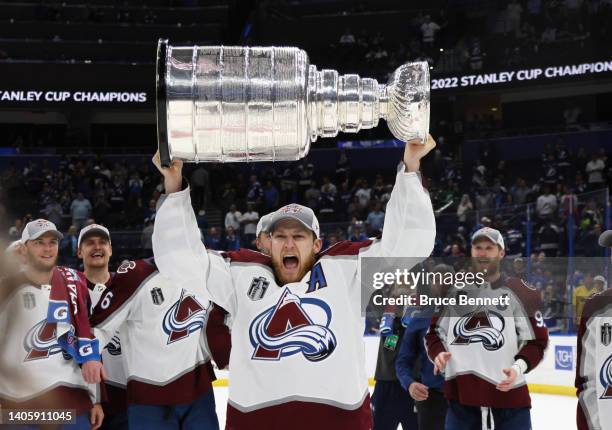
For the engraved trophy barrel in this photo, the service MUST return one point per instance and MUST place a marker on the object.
(225, 104)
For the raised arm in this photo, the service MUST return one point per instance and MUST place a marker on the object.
(179, 252)
(410, 226)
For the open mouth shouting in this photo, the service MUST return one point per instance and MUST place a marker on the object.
(291, 262)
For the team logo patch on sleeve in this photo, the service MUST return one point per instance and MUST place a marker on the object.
(606, 334)
(294, 325)
(185, 317)
(258, 288)
(41, 341)
(481, 326)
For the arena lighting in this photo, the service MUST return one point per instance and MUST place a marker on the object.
(522, 75)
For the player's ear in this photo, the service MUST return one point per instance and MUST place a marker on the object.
(79, 253)
(502, 253)
(318, 243)
(111, 250)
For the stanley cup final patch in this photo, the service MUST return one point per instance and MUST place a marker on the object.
(157, 296)
(258, 288)
(606, 334)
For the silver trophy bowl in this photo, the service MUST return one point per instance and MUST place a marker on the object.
(227, 104)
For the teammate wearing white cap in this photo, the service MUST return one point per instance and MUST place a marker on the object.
(297, 357)
(263, 240)
(34, 372)
(485, 351)
(594, 357)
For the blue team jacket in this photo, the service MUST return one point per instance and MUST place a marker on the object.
(412, 348)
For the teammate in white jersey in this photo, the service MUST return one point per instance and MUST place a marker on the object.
(95, 249)
(594, 354)
(34, 371)
(297, 357)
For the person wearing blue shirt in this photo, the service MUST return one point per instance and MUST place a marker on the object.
(429, 399)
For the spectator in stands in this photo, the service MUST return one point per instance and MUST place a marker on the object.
(232, 218)
(202, 220)
(484, 199)
(255, 192)
(312, 195)
(520, 192)
(102, 209)
(588, 242)
(518, 268)
(249, 225)
(515, 243)
(549, 238)
(375, 220)
(594, 170)
(591, 215)
(270, 197)
(15, 230)
(363, 193)
(53, 211)
(546, 204)
(212, 239)
(231, 241)
(68, 247)
(357, 234)
(347, 40)
(476, 55)
(228, 196)
(80, 209)
(513, 18)
(428, 31)
(581, 294)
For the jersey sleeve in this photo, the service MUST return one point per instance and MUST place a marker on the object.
(217, 336)
(180, 254)
(177, 246)
(586, 378)
(531, 329)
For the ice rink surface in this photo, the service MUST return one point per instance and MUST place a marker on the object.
(548, 411)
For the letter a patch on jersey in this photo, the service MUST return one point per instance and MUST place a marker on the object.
(294, 325)
(317, 279)
(185, 317)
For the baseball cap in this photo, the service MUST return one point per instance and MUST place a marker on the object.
(300, 213)
(605, 239)
(38, 227)
(91, 229)
(264, 223)
(600, 279)
(490, 233)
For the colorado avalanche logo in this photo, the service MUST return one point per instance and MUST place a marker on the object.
(289, 328)
(186, 316)
(481, 326)
(605, 377)
(41, 341)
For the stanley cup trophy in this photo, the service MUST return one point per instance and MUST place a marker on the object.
(226, 104)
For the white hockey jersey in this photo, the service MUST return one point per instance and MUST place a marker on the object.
(297, 349)
(164, 352)
(483, 340)
(34, 371)
(116, 375)
(594, 365)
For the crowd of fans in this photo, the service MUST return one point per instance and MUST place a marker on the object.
(488, 35)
